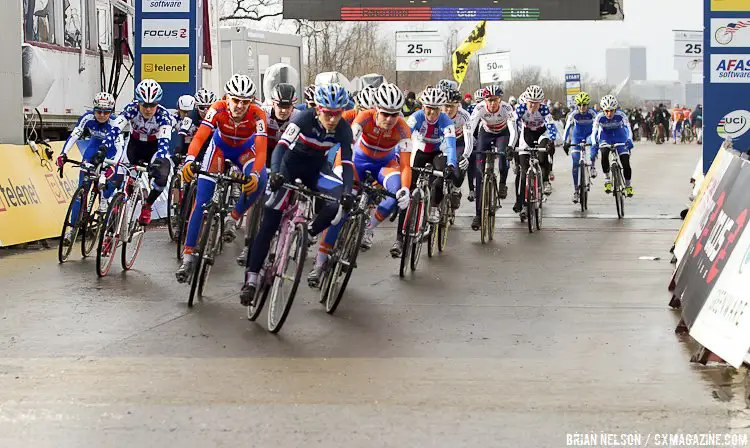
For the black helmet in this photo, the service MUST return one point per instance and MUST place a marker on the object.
(284, 95)
(310, 93)
(454, 96)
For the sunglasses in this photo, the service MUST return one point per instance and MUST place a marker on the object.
(390, 114)
(149, 105)
(203, 108)
(240, 101)
(330, 112)
(102, 111)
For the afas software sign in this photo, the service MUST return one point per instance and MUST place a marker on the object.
(170, 33)
(730, 68)
(166, 5)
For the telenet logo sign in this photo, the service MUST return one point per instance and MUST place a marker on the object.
(166, 67)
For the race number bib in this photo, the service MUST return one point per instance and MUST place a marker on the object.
(210, 115)
(260, 127)
(291, 133)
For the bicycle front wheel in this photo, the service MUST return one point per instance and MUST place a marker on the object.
(131, 244)
(443, 225)
(264, 286)
(342, 272)
(286, 282)
(409, 224)
(539, 202)
(174, 199)
(109, 236)
(64, 249)
(618, 193)
(583, 189)
(186, 209)
(420, 227)
(531, 199)
(207, 222)
(91, 222)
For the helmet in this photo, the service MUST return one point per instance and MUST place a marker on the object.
(433, 97)
(513, 101)
(492, 90)
(331, 96)
(522, 98)
(186, 103)
(389, 97)
(284, 94)
(104, 101)
(454, 96)
(310, 93)
(478, 95)
(447, 84)
(148, 91)
(366, 97)
(534, 93)
(205, 97)
(609, 102)
(582, 99)
(240, 86)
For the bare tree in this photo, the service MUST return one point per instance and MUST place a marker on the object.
(255, 10)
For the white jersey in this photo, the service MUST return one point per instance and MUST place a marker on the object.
(541, 120)
(492, 122)
(460, 120)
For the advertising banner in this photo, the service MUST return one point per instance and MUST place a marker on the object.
(726, 76)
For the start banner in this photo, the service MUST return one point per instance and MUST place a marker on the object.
(33, 198)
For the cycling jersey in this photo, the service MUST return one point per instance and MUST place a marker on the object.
(276, 127)
(233, 135)
(349, 115)
(185, 130)
(101, 134)
(461, 120)
(579, 125)
(157, 128)
(492, 122)
(534, 122)
(427, 136)
(612, 131)
(377, 143)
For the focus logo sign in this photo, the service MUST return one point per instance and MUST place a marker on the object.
(169, 33)
(166, 5)
(730, 68)
(734, 124)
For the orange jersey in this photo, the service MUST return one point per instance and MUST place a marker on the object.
(218, 119)
(349, 115)
(676, 114)
(686, 114)
(376, 142)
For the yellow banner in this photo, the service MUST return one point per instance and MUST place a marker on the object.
(33, 198)
(730, 5)
(463, 53)
(166, 67)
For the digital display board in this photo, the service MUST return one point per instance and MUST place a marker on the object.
(452, 10)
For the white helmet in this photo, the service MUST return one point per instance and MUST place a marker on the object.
(479, 95)
(205, 97)
(186, 103)
(609, 102)
(148, 91)
(104, 101)
(240, 86)
(366, 97)
(534, 93)
(389, 97)
(433, 97)
(522, 98)
(513, 101)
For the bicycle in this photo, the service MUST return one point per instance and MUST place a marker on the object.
(120, 226)
(533, 190)
(416, 226)
(618, 180)
(211, 230)
(287, 255)
(175, 195)
(342, 260)
(584, 175)
(687, 134)
(88, 197)
(490, 196)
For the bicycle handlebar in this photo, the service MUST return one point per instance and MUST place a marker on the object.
(428, 171)
(299, 187)
(223, 177)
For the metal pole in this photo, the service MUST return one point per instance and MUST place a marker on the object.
(395, 53)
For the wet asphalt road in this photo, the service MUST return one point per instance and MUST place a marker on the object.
(514, 343)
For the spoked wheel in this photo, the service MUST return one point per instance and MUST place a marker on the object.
(583, 189)
(443, 225)
(420, 226)
(131, 245)
(186, 209)
(618, 192)
(409, 225)
(539, 203)
(264, 286)
(109, 236)
(346, 264)
(174, 200)
(531, 200)
(285, 285)
(212, 250)
(207, 223)
(64, 249)
(489, 201)
(432, 241)
(91, 222)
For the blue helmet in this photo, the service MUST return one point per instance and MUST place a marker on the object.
(331, 96)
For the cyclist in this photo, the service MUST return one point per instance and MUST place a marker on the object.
(578, 127)
(365, 101)
(535, 126)
(471, 171)
(497, 129)
(463, 152)
(382, 147)
(301, 154)
(237, 129)
(513, 101)
(697, 118)
(611, 126)
(99, 124)
(188, 121)
(309, 98)
(279, 114)
(676, 123)
(204, 98)
(151, 127)
(430, 127)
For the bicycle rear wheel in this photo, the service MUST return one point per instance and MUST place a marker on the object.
(531, 199)
(186, 209)
(409, 224)
(109, 237)
(64, 250)
(131, 245)
(284, 287)
(91, 222)
(343, 269)
(174, 199)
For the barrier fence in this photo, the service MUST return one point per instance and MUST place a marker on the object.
(711, 282)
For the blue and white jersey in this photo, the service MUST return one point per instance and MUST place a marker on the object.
(305, 135)
(614, 130)
(101, 134)
(579, 125)
(159, 127)
(427, 136)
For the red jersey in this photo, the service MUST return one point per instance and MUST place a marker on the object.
(376, 142)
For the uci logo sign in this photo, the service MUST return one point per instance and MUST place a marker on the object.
(734, 124)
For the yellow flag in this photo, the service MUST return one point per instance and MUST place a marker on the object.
(463, 53)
